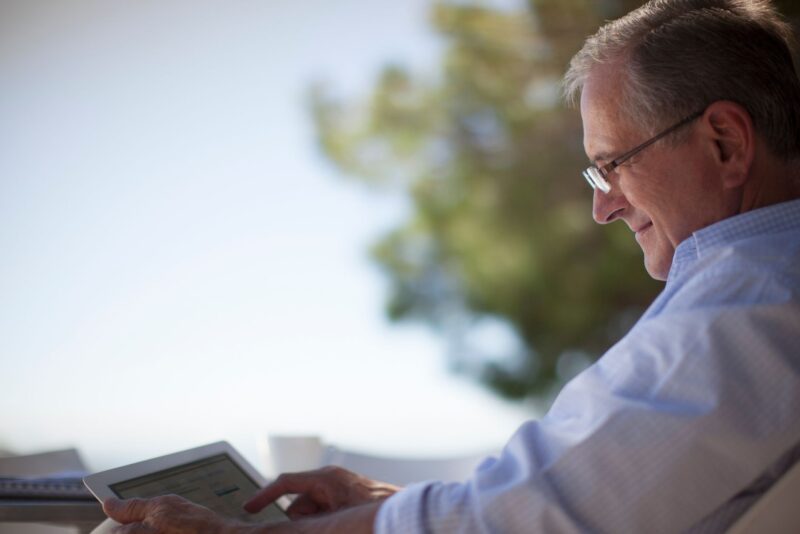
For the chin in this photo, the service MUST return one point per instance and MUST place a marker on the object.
(658, 270)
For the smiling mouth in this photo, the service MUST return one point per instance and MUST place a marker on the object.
(643, 229)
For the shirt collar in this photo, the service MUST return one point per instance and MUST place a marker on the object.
(768, 220)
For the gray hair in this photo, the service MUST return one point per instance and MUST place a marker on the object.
(679, 56)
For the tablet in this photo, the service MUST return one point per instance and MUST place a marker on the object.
(215, 476)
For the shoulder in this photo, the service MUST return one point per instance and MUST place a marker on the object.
(747, 273)
(735, 312)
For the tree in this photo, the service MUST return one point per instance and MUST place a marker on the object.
(491, 161)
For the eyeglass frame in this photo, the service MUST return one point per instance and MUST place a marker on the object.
(596, 176)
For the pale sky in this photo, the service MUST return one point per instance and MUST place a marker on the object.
(179, 262)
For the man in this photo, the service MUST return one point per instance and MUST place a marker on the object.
(691, 115)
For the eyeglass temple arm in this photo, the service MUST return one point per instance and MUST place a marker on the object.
(616, 163)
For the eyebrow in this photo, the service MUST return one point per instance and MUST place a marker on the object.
(607, 156)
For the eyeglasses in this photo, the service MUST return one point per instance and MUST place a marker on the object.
(596, 176)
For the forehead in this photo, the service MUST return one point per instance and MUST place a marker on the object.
(606, 130)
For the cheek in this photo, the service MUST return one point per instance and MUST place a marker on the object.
(664, 184)
(661, 201)
(645, 190)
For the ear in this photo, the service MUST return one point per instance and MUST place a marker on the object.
(731, 129)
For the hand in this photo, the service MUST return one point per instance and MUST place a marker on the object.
(169, 514)
(324, 490)
(353, 520)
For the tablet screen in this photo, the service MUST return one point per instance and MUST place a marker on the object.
(215, 482)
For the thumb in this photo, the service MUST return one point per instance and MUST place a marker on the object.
(126, 511)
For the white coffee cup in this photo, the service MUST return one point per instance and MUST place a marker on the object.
(292, 453)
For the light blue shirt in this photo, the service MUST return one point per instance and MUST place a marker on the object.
(678, 427)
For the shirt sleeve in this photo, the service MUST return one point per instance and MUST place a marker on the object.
(676, 419)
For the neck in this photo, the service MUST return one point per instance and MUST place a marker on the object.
(772, 181)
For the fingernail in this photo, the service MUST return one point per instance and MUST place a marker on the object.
(249, 507)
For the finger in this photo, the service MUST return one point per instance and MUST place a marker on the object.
(303, 506)
(284, 484)
(126, 511)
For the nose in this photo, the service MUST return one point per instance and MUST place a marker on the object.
(608, 207)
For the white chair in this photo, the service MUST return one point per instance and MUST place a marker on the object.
(284, 453)
(402, 471)
(777, 512)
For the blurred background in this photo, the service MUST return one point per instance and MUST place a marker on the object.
(361, 219)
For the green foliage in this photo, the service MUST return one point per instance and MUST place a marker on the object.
(491, 160)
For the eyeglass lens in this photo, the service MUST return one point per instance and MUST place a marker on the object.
(596, 179)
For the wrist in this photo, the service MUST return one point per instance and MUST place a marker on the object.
(356, 520)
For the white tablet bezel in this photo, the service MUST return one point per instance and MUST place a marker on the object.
(100, 483)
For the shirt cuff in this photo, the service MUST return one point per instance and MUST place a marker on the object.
(403, 511)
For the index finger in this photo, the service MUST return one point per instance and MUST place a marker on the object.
(284, 484)
(126, 511)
